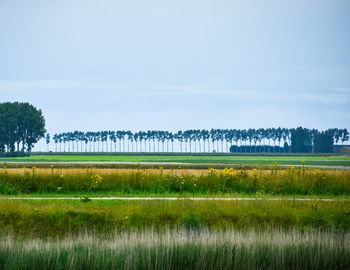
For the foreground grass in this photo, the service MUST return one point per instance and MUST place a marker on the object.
(54, 218)
(302, 181)
(263, 160)
(182, 249)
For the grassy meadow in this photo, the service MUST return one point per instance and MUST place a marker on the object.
(58, 218)
(294, 181)
(51, 234)
(174, 234)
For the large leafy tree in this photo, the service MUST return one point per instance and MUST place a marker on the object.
(21, 126)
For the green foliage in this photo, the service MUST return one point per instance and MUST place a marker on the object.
(188, 140)
(301, 140)
(21, 125)
(323, 142)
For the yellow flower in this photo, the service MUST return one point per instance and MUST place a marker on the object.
(255, 173)
(229, 172)
(97, 178)
(212, 170)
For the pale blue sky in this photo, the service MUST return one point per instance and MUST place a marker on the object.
(139, 65)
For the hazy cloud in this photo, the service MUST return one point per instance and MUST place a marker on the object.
(107, 64)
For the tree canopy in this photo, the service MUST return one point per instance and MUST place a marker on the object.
(21, 126)
(276, 140)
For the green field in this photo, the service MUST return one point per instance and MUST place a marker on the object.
(180, 234)
(193, 159)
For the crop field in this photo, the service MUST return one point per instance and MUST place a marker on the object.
(48, 219)
(190, 159)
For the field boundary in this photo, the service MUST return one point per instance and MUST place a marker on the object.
(178, 198)
(195, 154)
(165, 164)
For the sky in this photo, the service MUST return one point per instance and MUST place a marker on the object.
(171, 65)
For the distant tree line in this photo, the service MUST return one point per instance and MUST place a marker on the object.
(275, 140)
(21, 126)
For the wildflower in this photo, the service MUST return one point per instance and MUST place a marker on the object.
(126, 217)
(97, 178)
(61, 175)
(275, 163)
(59, 188)
(212, 170)
(229, 172)
(255, 173)
(303, 161)
(51, 166)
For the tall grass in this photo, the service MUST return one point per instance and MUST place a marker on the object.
(53, 219)
(294, 181)
(182, 249)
